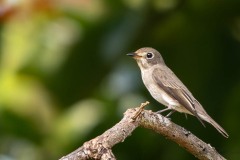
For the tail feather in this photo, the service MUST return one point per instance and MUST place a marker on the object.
(208, 119)
(204, 116)
(217, 126)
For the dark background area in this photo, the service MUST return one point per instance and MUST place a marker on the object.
(65, 77)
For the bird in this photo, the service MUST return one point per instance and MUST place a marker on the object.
(166, 88)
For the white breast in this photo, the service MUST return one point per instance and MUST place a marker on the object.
(156, 92)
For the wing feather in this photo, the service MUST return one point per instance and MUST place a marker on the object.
(169, 82)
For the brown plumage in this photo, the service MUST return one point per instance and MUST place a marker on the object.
(166, 88)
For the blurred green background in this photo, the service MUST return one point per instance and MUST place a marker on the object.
(65, 77)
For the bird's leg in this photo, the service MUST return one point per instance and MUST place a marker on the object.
(186, 115)
(163, 110)
(170, 113)
(166, 109)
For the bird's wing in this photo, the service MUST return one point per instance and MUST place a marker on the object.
(169, 82)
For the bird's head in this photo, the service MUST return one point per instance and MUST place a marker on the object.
(147, 57)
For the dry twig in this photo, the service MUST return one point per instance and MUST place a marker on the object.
(100, 147)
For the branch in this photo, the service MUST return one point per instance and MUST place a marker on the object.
(100, 147)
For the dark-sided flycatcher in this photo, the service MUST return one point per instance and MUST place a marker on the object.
(166, 88)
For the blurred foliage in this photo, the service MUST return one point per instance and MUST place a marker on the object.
(64, 76)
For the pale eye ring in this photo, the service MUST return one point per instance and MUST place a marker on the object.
(150, 55)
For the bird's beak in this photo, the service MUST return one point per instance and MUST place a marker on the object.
(134, 55)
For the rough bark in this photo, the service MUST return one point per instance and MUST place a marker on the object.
(100, 147)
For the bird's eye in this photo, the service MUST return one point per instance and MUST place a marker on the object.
(149, 55)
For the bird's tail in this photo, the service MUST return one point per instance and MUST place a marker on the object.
(216, 125)
(204, 116)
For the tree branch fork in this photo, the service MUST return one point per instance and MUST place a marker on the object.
(100, 146)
